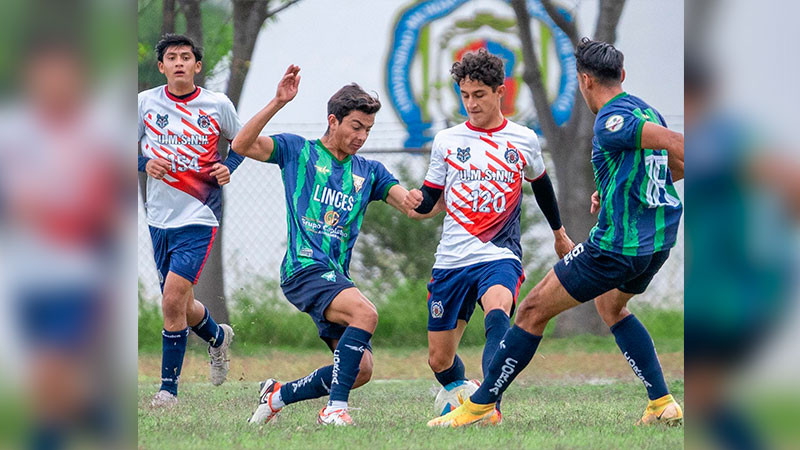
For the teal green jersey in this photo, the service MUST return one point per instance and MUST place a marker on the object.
(325, 202)
(639, 207)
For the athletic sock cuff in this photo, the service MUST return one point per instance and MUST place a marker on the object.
(622, 322)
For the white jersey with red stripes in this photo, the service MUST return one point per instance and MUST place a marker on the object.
(185, 132)
(481, 173)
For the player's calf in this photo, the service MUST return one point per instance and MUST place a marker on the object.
(364, 370)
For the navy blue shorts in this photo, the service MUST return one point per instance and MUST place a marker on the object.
(64, 319)
(453, 293)
(587, 271)
(182, 250)
(311, 291)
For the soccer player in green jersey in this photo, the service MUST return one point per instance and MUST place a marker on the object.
(636, 159)
(327, 188)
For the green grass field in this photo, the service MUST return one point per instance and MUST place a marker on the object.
(567, 398)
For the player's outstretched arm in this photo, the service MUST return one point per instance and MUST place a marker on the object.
(396, 196)
(248, 142)
(414, 200)
(546, 199)
(656, 136)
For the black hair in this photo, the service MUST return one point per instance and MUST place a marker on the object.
(479, 66)
(177, 40)
(350, 98)
(600, 60)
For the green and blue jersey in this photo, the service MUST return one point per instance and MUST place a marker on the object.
(639, 207)
(325, 202)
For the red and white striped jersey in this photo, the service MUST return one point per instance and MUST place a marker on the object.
(481, 173)
(185, 132)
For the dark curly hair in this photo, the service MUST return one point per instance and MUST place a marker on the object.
(177, 40)
(352, 97)
(479, 66)
(600, 60)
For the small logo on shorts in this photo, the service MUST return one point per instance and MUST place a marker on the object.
(577, 250)
(330, 276)
(307, 252)
(437, 310)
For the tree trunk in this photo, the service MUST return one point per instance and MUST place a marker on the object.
(248, 17)
(168, 17)
(194, 29)
(570, 145)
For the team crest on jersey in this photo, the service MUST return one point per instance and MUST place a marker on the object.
(462, 154)
(329, 276)
(322, 169)
(437, 310)
(204, 121)
(331, 218)
(614, 123)
(512, 155)
(358, 182)
(162, 121)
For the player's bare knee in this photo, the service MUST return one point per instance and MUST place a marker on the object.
(173, 305)
(531, 316)
(367, 319)
(439, 361)
(610, 310)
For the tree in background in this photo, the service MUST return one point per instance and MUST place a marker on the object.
(223, 33)
(570, 145)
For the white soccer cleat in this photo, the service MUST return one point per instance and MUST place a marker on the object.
(219, 357)
(264, 411)
(164, 399)
(338, 417)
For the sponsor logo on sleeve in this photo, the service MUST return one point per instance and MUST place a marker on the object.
(614, 123)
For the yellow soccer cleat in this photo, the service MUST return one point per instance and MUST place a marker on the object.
(466, 414)
(663, 410)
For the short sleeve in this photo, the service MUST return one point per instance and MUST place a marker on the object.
(229, 120)
(286, 148)
(532, 155)
(384, 180)
(437, 169)
(619, 129)
(140, 129)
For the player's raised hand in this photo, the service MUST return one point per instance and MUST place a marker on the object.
(221, 173)
(413, 199)
(287, 87)
(595, 203)
(157, 168)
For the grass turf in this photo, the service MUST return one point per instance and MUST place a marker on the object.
(572, 400)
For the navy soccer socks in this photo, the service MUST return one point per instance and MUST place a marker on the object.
(209, 331)
(514, 353)
(346, 361)
(314, 385)
(173, 347)
(496, 324)
(454, 373)
(637, 347)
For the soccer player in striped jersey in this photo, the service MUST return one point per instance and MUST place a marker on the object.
(480, 166)
(179, 127)
(636, 160)
(328, 188)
